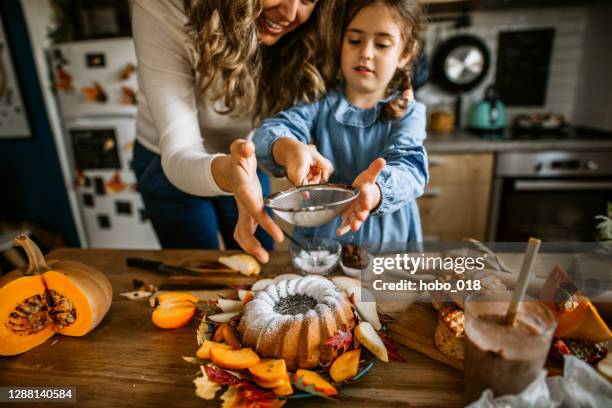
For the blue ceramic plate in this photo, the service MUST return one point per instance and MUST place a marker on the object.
(364, 368)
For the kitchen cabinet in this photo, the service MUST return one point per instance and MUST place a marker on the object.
(456, 201)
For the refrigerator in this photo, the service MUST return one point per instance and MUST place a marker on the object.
(96, 87)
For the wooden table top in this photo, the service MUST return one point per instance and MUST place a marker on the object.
(127, 361)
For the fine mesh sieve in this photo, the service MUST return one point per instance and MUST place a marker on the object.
(311, 205)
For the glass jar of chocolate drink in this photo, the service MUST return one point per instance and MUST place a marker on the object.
(504, 358)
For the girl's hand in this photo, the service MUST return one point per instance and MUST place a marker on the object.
(249, 198)
(369, 198)
(302, 162)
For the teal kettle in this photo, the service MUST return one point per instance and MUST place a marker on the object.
(489, 115)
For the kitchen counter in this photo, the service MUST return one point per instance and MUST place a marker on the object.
(126, 361)
(465, 142)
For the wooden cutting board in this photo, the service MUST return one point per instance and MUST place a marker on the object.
(415, 328)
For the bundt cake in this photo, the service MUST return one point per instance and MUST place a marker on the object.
(293, 318)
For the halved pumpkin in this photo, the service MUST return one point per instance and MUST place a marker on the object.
(63, 297)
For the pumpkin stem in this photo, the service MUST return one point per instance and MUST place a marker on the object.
(36, 260)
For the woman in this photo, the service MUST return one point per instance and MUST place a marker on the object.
(208, 69)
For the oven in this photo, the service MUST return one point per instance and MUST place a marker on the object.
(551, 195)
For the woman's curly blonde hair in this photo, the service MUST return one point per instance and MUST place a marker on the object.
(257, 79)
(410, 18)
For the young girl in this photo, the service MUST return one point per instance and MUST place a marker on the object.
(365, 132)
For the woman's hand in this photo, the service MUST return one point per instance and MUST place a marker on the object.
(303, 163)
(247, 191)
(369, 198)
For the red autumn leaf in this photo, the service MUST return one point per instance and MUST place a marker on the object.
(250, 393)
(385, 318)
(221, 376)
(341, 341)
(392, 348)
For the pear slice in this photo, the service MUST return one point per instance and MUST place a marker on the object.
(365, 304)
(243, 263)
(242, 293)
(261, 284)
(223, 317)
(344, 282)
(229, 305)
(368, 338)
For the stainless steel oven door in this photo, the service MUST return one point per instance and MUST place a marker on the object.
(554, 210)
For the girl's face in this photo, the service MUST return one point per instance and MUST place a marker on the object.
(372, 50)
(279, 17)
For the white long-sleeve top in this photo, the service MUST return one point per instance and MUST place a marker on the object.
(174, 119)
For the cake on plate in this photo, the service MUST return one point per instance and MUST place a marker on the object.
(293, 318)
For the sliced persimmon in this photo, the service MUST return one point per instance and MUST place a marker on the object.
(307, 377)
(219, 336)
(234, 359)
(173, 315)
(230, 337)
(204, 350)
(269, 370)
(284, 389)
(346, 366)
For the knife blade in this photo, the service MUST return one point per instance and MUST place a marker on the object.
(160, 267)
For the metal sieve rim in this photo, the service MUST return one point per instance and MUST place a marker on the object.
(268, 200)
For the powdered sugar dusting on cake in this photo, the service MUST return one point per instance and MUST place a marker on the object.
(263, 296)
(291, 284)
(272, 327)
(272, 291)
(282, 288)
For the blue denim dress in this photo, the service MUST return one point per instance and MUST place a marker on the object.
(351, 138)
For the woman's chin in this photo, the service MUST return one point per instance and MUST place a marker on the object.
(268, 39)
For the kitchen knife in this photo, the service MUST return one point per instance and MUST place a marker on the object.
(160, 267)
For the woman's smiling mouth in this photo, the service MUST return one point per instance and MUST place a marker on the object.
(271, 26)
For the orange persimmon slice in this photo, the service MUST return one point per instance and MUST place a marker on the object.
(270, 371)
(219, 336)
(284, 389)
(345, 366)
(204, 350)
(308, 377)
(234, 359)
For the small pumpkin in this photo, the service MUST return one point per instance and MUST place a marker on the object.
(57, 296)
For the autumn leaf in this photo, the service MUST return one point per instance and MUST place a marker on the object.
(250, 393)
(385, 318)
(220, 376)
(209, 307)
(392, 348)
(242, 395)
(205, 331)
(341, 341)
(205, 388)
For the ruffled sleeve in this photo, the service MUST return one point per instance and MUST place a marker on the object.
(404, 177)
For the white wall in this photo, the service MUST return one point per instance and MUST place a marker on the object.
(570, 24)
